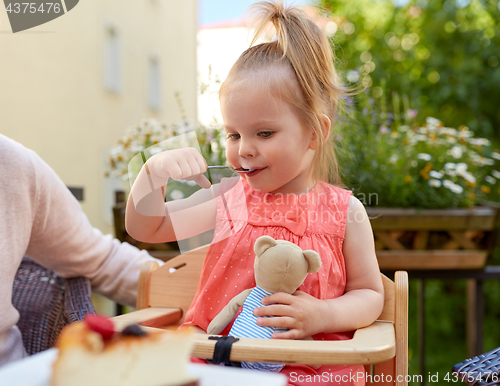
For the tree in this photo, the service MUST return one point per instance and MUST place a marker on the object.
(445, 55)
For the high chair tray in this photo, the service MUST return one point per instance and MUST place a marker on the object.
(372, 344)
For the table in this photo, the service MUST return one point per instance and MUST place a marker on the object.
(36, 371)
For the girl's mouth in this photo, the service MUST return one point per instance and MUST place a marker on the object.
(254, 172)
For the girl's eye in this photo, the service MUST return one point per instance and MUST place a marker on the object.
(265, 134)
(232, 136)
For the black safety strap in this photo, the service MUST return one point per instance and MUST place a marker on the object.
(222, 350)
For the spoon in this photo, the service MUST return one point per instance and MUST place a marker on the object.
(239, 170)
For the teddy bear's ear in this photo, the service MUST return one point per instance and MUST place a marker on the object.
(313, 260)
(262, 244)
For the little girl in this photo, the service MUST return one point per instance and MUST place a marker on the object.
(277, 103)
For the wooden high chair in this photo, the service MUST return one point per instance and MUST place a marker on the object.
(165, 294)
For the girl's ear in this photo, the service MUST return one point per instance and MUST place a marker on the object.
(325, 127)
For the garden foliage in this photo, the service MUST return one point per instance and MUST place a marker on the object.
(390, 160)
(445, 55)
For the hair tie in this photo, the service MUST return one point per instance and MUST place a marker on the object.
(275, 38)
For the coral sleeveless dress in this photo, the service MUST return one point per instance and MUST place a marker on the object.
(315, 220)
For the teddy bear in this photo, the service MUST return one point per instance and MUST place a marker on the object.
(280, 266)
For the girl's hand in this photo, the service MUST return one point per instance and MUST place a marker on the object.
(180, 164)
(301, 313)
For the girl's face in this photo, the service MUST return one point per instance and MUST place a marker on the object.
(264, 133)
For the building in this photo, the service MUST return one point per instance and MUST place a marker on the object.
(219, 46)
(69, 88)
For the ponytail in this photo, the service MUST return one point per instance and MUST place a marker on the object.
(303, 48)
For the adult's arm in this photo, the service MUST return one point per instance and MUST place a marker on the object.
(63, 240)
(40, 218)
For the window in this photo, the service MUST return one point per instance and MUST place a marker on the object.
(154, 86)
(112, 65)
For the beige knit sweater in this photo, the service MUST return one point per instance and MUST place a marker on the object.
(40, 218)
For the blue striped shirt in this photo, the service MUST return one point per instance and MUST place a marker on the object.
(245, 326)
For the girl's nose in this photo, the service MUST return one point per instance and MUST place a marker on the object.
(246, 149)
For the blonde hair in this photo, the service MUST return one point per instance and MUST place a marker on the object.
(302, 48)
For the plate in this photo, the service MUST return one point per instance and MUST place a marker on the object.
(36, 370)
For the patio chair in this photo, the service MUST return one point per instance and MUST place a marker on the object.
(480, 370)
(46, 303)
(165, 294)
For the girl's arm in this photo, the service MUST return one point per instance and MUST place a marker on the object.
(149, 219)
(363, 300)
(361, 303)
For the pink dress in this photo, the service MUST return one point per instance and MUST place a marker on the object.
(315, 220)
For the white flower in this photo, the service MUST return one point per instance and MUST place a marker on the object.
(453, 187)
(136, 148)
(475, 158)
(433, 124)
(432, 121)
(451, 139)
(422, 130)
(155, 150)
(461, 168)
(448, 131)
(449, 165)
(490, 179)
(435, 174)
(191, 183)
(464, 134)
(448, 184)
(479, 142)
(495, 173)
(413, 164)
(352, 76)
(403, 128)
(434, 183)
(420, 137)
(496, 155)
(483, 161)
(176, 194)
(456, 189)
(116, 150)
(393, 158)
(424, 156)
(469, 177)
(456, 151)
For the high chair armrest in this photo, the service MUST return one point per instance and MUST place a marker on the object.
(148, 317)
(372, 344)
